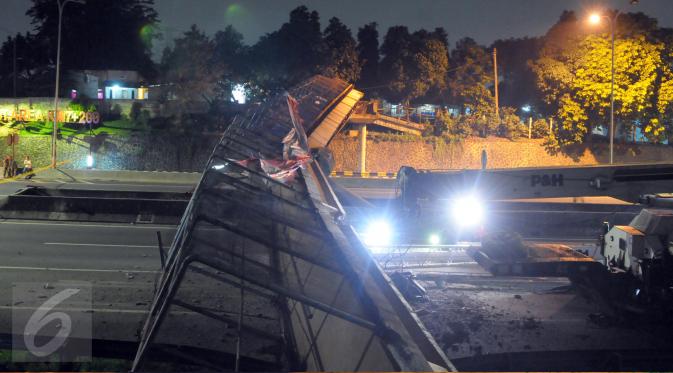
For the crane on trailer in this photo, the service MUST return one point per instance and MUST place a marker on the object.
(633, 264)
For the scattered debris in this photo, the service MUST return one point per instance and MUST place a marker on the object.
(422, 312)
(530, 323)
(455, 333)
(130, 275)
(600, 319)
(565, 289)
(475, 322)
(478, 349)
(47, 286)
(408, 286)
(517, 296)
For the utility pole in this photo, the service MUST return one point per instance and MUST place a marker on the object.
(612, 88)
(14, 63)
(61, 5)
(495, 81)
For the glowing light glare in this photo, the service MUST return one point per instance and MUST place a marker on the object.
(218, 167)
(89, 161)
(526, 108)
(238, 94)
(147, 33)
(595, 18)
(116, 86)
(434, 239)
(378, 233)
(467, 211)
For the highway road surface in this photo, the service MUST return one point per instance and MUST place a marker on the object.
(11, 187)
(470, 313)
(120, 261)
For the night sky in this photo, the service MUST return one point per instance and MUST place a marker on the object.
(483, 20)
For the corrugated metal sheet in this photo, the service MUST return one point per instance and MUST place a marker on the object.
(324, 131)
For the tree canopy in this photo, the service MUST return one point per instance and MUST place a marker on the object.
(98, 34)
(413, 65)
(368, 54)
(341, 58)
(574, 78)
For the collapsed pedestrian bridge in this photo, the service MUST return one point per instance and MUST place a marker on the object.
(265, 272)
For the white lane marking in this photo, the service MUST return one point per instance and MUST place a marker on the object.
(95, 310)
(7, 222)
(76, 269)
(96, 244)
(103, 225)
(94, 182)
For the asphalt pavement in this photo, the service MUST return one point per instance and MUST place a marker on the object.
(11, 187)
(121, 262)
(470, 314)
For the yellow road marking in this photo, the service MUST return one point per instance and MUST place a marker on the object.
(33, 173)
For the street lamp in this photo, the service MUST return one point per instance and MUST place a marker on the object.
(61, 5)
(595, 19)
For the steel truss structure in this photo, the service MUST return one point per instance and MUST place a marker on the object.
(267, 275)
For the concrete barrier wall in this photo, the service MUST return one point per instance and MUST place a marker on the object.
(189, 153)
(147, 152)
(389, 156)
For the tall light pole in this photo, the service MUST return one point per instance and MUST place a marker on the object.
(495, 81)
(61, 5)
(596, 19)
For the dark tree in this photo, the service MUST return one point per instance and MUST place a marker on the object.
(192, 72)
(99, 34)
(341, 57)
(413, 66)
(470, 76)
(284, 58)
(34, 77)
(231, 53)
(518, 86)
(368, 53)
(395, 64)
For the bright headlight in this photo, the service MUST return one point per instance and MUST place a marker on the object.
(467, 211)
(378, 233)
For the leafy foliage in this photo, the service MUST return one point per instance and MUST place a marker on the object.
(471, 73)
(413, 64)
(284, 58)
(540, 128)
(341, 59)
(99, 34)
(193, 71)
(574, 76)
(368, 54)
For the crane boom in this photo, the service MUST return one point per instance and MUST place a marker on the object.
(625, 182)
